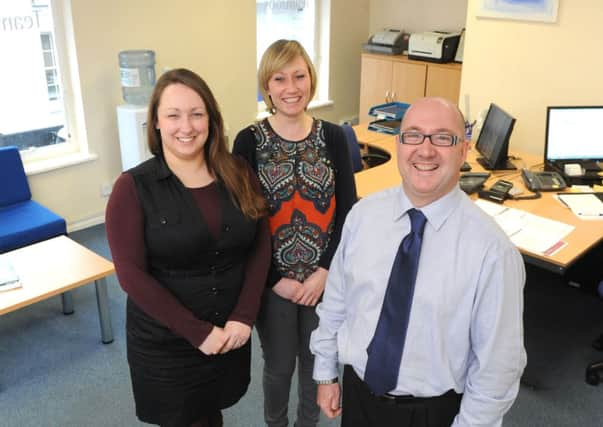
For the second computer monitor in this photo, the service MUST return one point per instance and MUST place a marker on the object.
(493, 141)
(573, 136)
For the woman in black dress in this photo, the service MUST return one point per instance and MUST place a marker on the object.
(191, 249)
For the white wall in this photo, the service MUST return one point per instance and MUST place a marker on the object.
(525, 66)
(215, 39)
(418, 15)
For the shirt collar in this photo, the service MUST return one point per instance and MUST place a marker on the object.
(163, 171)
(436, 212)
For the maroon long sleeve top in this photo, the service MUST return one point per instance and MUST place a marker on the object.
(125, 233)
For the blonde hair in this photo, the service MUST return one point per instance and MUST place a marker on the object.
(279, 54)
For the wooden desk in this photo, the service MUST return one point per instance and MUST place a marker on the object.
(380, 177)
(585, 236)
(53, 267)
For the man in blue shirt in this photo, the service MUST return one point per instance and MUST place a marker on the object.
(463, 353)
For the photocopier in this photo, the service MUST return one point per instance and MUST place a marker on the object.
(388, 41)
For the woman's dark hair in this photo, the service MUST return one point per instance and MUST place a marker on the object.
(220, 162)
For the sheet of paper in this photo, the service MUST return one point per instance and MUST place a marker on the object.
(539, 234)
(9, 279)
(490, 208)
(528, 231)
(583, 205)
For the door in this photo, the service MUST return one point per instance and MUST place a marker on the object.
(375, 84)
(444, 82)
(408, 81)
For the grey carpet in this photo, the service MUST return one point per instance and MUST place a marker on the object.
(55, 372)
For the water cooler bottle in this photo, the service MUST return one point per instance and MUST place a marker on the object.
(137, 75)
(132, 126)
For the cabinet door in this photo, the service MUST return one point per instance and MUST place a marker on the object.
(408, 81)
(375, 82)
(444, 82)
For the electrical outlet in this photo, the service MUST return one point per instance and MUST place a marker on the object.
(106, 190)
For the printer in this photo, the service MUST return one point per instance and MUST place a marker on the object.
(388, 41)
(433, 46)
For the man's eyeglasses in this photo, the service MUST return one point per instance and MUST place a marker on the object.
(438, 139)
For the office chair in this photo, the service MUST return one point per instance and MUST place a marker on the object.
(594, 371)
(22, 220)
(353, 148)
(370, 158)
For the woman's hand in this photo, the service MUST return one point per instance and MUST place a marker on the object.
(238, 334)
(312, 288)
(287, 288)
(214, 342)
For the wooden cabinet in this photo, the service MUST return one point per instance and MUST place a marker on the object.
(387, 78)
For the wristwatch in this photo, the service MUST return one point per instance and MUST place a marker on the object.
(331, 381)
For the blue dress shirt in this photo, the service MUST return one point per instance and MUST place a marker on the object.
(465, 330)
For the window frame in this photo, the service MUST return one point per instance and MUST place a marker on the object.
(50, 53)
(75, 148)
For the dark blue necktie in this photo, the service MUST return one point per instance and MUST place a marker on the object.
(387, 345)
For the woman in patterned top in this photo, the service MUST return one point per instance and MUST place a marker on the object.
(306, 175)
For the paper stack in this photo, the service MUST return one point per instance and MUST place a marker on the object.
(9, 279)
(583, 205)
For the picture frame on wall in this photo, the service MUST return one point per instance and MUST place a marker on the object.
(524, 10)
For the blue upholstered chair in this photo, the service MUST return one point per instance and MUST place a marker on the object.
(22, 220)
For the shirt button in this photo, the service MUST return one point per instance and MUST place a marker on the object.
(163, 221)
(227, 228)
(217, 313)
(212, 268)
(214, 291)
(217, 253)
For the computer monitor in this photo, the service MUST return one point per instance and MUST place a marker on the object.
(573, 135)
(493, 140)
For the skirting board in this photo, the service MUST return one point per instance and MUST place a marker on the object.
(85, 223)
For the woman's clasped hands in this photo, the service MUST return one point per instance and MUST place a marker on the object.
(222, 340)
(307, 293)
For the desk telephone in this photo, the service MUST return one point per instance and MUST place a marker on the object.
(499, 191)
(542, 181)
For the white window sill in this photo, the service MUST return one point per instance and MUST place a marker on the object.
(35, 167)
(316, 104)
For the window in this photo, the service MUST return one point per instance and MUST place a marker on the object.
(50, 66)
(37, 116)
(306, 21)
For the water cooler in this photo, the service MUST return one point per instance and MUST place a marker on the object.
(132, 126)
(137, 74)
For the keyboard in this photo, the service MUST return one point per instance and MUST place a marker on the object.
(542, 181)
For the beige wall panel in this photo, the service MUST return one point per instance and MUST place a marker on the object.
(418, 15)
(525, 66)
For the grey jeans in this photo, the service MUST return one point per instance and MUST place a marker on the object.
(284, 329)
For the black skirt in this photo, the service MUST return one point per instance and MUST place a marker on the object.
(174, 383)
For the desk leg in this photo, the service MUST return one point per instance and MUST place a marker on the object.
(67, 300)
(103, 311)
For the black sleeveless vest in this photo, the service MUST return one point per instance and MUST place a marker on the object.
(206, 275)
